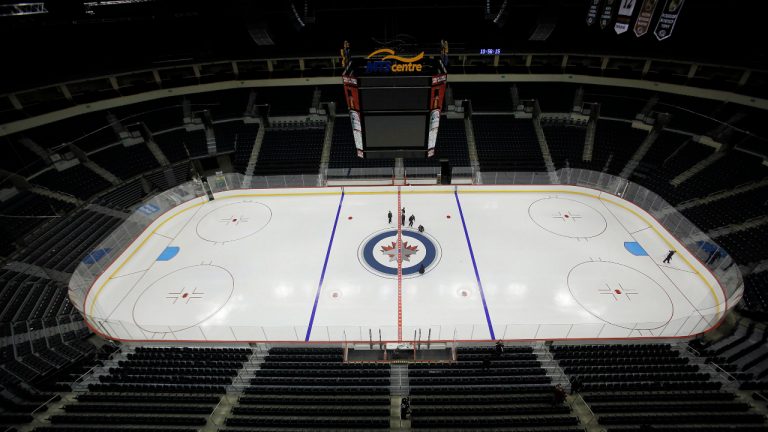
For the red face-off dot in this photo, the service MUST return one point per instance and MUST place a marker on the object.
(448, 216)
(566, 216)
(617, 291)
(350, 218)
(234, 220)
(185, 295)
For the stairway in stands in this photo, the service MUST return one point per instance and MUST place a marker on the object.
(487, 390)
(151, 389)
(632, 386)
(313, 388)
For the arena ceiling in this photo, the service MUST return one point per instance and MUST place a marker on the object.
(76, 38)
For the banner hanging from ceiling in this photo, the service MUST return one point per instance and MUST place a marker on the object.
(594, 6)
(625, 16)
(605, 17)
(668, 19)
(643, 21)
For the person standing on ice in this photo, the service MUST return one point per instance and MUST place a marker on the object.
(411, 220)
(403, 217)
(389, 216)
(669, 257)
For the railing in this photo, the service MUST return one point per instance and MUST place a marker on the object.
(327, 66)
(615, 187)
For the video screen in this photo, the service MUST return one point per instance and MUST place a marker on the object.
(394, 99)
(395, 131)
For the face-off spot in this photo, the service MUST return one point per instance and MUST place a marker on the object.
(620, 295)
(234, 221)
(567, 218)
(184, 298)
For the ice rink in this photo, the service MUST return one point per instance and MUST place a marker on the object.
(325, 264)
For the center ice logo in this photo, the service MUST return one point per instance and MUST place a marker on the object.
(391, 251)
(379, 253)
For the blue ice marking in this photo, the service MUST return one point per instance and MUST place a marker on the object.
(635, 249)
(95, 256)
(148, 209)
(169, 253)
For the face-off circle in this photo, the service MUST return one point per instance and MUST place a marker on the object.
(184, 298)
(378, 253)
(620, 295)
(234, 221)
(567, 218)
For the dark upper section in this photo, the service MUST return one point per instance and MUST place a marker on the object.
(72, 41)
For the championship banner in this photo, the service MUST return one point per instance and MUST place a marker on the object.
(625, 15)
(594, 5)
(668, 19)
(643, 21)
(605, 18)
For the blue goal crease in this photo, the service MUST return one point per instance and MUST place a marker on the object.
(474, 265)
(325, 266)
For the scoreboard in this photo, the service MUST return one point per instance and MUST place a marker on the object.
(394, 104)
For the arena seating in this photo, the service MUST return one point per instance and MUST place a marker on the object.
(290, 151)
(343, 153)
(77, 180)
(313, 388)
(623, 104)
(158, 115)
(756, 293)
(566, 143)
(225, 104)
(615, 143)
(451, 144)
(733, 209)
(671, 155)
(486, 389)
(630, 385)
(29, 380)
(156, 388)
(37, 207)
(232, 135)
(126, 162)
(507, 144)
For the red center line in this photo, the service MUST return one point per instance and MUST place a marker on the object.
(399, 269)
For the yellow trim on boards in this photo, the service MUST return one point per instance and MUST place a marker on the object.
(650, 225)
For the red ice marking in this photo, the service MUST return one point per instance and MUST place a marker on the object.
(448, 216)
(617, 291)
(185, 295)
(350, 218)
(399, 271)
(565, 216)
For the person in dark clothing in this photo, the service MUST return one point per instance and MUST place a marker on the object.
(499, 348)
(411, 220)
(403, 217)
(389, 216)
(669, 256)
(558, 395)
(421, 228)
(421, 269)
(576, 385)
(405, 408)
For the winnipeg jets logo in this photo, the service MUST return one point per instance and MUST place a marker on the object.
(379, 253)
(391, 251)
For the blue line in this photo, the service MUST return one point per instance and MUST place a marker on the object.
(325, 265)
(474, 264)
